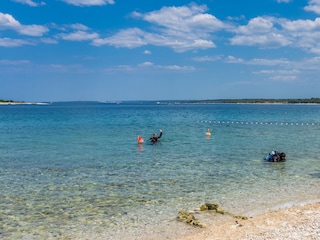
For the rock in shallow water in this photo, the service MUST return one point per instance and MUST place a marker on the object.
(189, 218)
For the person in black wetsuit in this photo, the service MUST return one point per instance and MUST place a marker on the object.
(276, 156)
(155, 137)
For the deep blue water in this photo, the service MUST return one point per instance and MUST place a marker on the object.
(76, 167)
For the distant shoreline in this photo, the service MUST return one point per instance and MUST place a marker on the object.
(5, 102)
(253, 101)
(222, 101)
(208, 101)
(21, 103)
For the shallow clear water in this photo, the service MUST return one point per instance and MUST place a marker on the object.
(75, 169)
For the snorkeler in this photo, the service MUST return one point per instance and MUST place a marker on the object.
(155, 137)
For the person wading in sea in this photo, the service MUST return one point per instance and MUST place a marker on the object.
(155, 137)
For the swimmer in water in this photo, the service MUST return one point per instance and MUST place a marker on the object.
(155, 137)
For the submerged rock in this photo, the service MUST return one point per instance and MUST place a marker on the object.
(212, 207)
(189, 218)
(216, 208)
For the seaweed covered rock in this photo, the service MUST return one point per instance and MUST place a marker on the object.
(212, 207)
(189, 218)
(240, 217)
(216, 208)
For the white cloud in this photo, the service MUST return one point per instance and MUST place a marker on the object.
(304, 34)
(147, 52)
(7, 21)
(120, 68)
(190, 28)
(183, 29)
(130, 38)
(32, 30)
(311, 63)
(280, 69)
(278, 72)
(79, 26)
(185, 19)
(76, 32)
(308, 41)
(271, 32)
(284, 78)
(300, 25)
(269, 62)
(256, 25)
(146, 64)
(270, 40)
(232, 59)
(276, 69)
(89, 2)
(180, 28)
(284, 65)
(315, 50)
(284, 1)
(67, 68)
(79, 36)
(166, 67)
(49, 40)
(9, 42)
(30, 3)
(261, 32)
(178, 68)
(206, 58)
(313, 6)
(10, 62)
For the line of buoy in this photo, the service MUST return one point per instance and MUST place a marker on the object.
(261, 123)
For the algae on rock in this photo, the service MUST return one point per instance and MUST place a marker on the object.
(189, 218)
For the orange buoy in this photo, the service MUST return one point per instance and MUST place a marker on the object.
(208, 133)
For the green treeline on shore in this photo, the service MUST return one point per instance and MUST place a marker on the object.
(10, 101)
(6, 101)
(259, 100)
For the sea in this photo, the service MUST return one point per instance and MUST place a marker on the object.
(74, 170)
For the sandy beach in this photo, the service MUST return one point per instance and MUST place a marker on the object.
(296, 222)
(9, 102)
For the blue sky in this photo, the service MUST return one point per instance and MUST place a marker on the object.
(108, 50)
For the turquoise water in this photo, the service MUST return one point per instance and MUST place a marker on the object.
(75, 170)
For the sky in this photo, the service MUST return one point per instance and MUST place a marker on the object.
(116, 50)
